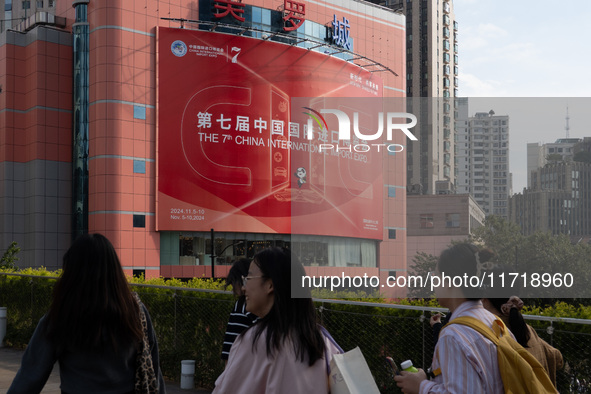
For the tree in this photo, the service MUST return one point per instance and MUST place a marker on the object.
(423, 264)
(500, 235)
(9, 257)
(583, 156)
(554, 158)
(546, 255)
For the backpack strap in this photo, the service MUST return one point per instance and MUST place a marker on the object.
(498, 329)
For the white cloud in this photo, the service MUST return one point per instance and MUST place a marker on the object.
(481, 36)
(472, 86)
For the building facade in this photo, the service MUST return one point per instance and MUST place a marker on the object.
(482, 158)
(538, 155)
(432, 82)
(558, 201)
(434, 222)
(85, 146)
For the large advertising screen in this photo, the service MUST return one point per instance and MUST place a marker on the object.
(233, 152)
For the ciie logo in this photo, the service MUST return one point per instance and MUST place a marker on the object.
(345, 130)
(178, 48)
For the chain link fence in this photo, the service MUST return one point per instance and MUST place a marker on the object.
(190, 324)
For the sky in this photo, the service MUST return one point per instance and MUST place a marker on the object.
(536, 50)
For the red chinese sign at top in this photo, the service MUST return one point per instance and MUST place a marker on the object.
(294, 12)
(226, 7)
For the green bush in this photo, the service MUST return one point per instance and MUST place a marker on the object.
(190, 326)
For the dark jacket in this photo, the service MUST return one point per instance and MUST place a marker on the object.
(92, 372)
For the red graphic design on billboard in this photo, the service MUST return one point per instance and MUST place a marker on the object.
(233, 154)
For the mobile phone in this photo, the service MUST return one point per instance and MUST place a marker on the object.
(393, 365)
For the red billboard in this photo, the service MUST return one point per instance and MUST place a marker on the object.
(233, 152)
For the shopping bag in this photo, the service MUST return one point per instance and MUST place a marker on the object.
(349, 374)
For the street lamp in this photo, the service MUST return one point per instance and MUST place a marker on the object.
(213, 256)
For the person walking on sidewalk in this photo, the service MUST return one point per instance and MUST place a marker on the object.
(96, 328)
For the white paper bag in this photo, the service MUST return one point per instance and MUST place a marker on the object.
(349, 374)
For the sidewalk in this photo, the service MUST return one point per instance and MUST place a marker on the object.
(10, 360)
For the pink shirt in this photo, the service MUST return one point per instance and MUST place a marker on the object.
(252, 372)
(468, 361)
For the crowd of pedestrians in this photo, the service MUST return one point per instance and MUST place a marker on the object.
(102, 336)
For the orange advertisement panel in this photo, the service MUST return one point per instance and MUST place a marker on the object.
(233, 152)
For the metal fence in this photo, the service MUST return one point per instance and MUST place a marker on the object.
(190, 324)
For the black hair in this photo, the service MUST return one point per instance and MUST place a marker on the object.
(290, 319)
(92, 305)
(239, 269)
(463, 259)
(517, 324)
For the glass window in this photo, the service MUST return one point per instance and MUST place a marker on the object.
(257, 15)
(139, 112)
(139, 221)
(426, 220)
(452, 220)
(26, 5)
(266, 17)
(139, 167)
(391, 233)
(391, 191)
(39, 3)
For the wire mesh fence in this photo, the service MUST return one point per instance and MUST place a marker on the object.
(190, 324)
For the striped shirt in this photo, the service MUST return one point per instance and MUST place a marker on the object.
(239, 321)
(468, 361)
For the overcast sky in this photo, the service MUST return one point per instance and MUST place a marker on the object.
(539, 51)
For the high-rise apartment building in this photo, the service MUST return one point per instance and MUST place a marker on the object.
(432, 74)
(482, 158)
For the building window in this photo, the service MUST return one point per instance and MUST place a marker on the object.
(139, 221)
(452, 220)
(391, 233)
(39, 3)
(26, 5)
(426, 220)
(391, 191)
(139, 273)
(139, 112)
(51, 3)
(139, 167)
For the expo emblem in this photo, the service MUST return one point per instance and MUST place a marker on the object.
(178, 48)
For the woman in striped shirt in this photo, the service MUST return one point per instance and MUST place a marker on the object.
(466, 360)
(240, 319)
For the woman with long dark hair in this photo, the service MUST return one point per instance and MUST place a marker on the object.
(96, 328)
(286, 351)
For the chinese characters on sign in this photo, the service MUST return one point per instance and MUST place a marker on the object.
(340, 33)
(294, 15)
(226, 7)
(207, 123)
